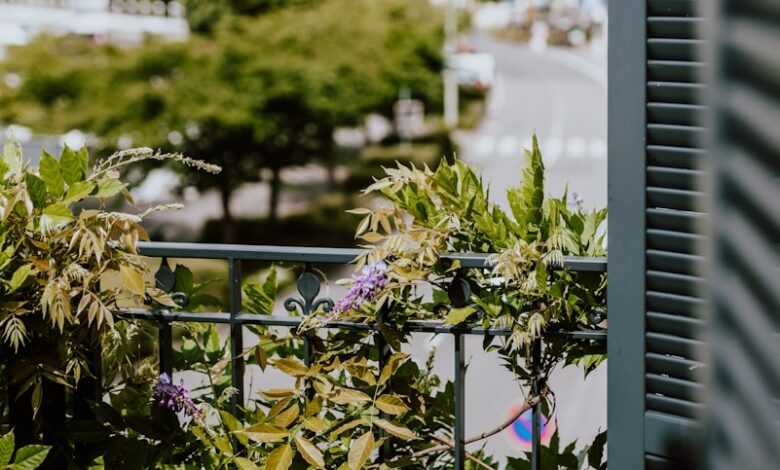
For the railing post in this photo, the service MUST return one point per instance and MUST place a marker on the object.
(165, 347)
(383, 354)
(165, 280)
(236, 333)
(459, 434)
(536, 440)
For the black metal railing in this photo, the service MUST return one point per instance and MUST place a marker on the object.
(309, 288)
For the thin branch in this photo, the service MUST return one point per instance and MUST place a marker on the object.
(468, 455)
(527, 405)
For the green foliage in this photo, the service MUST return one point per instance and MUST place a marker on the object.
(28, 457)
(553, 457)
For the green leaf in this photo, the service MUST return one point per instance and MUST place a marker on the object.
(78, 191)
(527, 201)
(360, 451)
(36, 188)
(184, 279)
(108, 188)
(6, 448)
(459, 315)
(55, 216)
(280, 458)
(20, 276)
(71, 166)
(30, 457)
(596, 451)
(51, 174)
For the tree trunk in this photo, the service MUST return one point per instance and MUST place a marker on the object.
(228, 223)
(276, 188)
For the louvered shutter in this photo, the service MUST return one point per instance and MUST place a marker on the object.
(657, 164)
(745, 405)
(676, 165)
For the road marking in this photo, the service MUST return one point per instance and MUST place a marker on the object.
(576, 147)
(507, 147)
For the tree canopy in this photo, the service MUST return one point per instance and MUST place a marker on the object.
(262, 91)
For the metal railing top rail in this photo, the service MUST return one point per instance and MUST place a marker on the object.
(309, 302)
(321, 254)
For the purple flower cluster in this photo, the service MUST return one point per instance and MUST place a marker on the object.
(370, 281)
(174, 397)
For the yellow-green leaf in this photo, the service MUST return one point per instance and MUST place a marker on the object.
(280, 458)
(360, 451)
(132, 279)
(288, 416)
(244, 463)
(315, 424)
(459, 315)
(20, 276)
(263, 432)
(391, 404)
(291, 367)
(347, 426)
(55, 216)
(396, 429)
(310, 452)
(348, 396)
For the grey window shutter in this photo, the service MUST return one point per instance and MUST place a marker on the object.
(745, 404)
(657, 162)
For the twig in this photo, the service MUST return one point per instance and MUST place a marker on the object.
(468, 455)
(527, 405)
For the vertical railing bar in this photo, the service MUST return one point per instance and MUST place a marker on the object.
(236, 333)
(536, 440)
(459, 436)
(165, 347)
(383, 356)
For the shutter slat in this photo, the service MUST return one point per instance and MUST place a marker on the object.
(676, 114)
(676, 325)
(675, 283)
(675, 135)
(674, 345)
(677, 27)
(678, 8)
(674, 178)
(674, 406)
(673, 366)
(676, 157)
(675, 71)
(675, 220)
(667, 302)
(678, 263)
(676, 199)
(674, 388)
(677, 242)
(674, 92)
(673, 49)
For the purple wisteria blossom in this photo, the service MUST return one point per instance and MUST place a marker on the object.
(174, 397)
(371, 280)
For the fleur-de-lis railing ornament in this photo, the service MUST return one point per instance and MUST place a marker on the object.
(165, 280)
(309, 288)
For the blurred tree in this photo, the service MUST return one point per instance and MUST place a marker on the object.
(260, 92)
